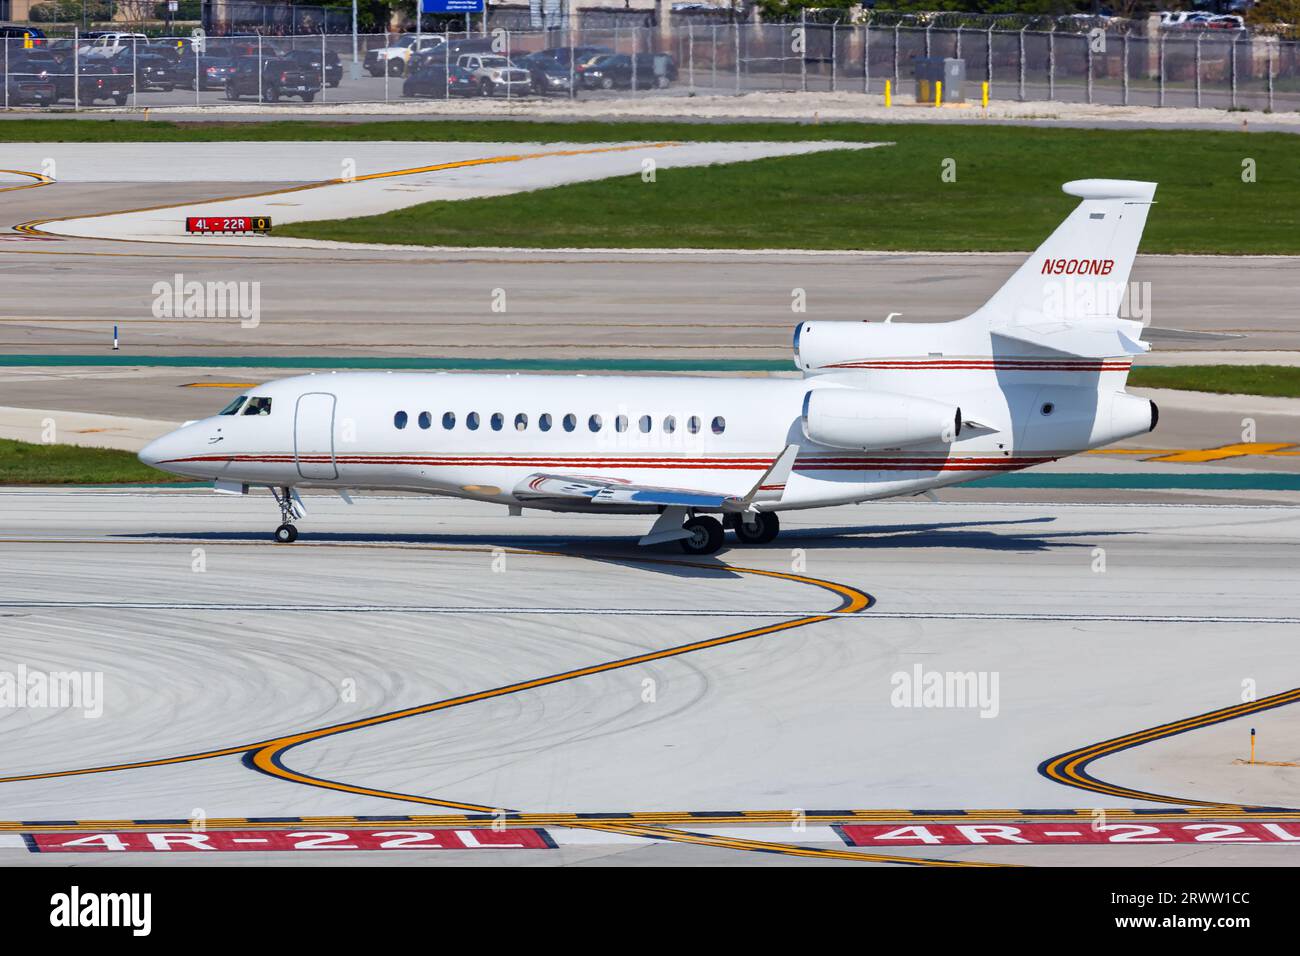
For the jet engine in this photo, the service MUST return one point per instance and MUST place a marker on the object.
(865, 420)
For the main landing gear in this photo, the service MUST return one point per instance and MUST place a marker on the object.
(758, 527)
(705, 534)
(290, 508)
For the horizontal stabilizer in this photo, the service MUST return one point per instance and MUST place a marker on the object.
(1108, 338)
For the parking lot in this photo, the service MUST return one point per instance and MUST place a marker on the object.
(1211, 70)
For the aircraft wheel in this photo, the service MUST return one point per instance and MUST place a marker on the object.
(705, 535)
(286, 534)
(764, 531)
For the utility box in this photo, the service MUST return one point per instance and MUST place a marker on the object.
(930, 70)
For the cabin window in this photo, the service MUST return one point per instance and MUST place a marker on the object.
(425, 420)
(233, 407)
(544, 421)
(570, 422)
(670, 424)
(719, 425)
(620, 423)
(449, 420)
(595, 423)
(497, 421)
(646, 423)
(258, 406)
(399, 420)
(693, 424)
(521, 422)
(471, 421)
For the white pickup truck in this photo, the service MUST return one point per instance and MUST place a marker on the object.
(106, 44)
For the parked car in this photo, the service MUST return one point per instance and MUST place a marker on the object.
(576, 55)
(548, 74)
(97, 79)
(433, 79)
(496, 74)
(32, 37)
(151, 72)
(447, 54)
(397, 57)
(29, 84)
(310, 60)
(107, 44)
(617, 72)
(212, 72)
(278, 77)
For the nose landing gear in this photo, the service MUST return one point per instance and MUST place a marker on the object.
(290, 508)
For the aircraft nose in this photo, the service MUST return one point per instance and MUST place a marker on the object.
(151, 453)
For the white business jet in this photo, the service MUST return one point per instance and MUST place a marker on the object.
(882, 409)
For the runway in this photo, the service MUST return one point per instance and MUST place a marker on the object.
(414, 657)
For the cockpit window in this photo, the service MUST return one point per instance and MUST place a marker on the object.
(233, 407)
(258, 406)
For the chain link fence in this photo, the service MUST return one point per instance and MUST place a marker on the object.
(1220, 71)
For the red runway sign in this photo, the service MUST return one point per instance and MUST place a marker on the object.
(1068, 832)
(185, 841)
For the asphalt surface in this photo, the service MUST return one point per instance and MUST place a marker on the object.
(265, 642)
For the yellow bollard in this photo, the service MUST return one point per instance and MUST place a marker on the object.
(889, 98)
(984, 94)
(938, 93)
(1252, 745)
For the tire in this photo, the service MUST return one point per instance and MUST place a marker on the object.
(230, 92)
(272, 95)
(334, 84)
(763, 531)
(120, 99)
(706, 535)
(396, 67)
(486, 88)
(661, 82)
(286, 534)
(606, 82)
(308, 97)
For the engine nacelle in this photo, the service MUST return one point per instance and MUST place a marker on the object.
(866, 420)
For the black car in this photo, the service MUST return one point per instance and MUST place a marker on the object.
(445, 54)
(548, 74)
(279, 77)
(617, 72)
(211, 72)
(309, 60)
(29, 84)
(35, 35)
(152, 72)
(434, 79)
(97, 79)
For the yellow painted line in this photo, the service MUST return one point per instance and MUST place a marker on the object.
(267, 755)
(1071, 768)
(762, 820)
(785, 849)
(1224, 451)
(32, 226)
(41, 180)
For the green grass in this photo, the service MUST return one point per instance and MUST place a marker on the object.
(1007, 194)
(1007, 197)
(22, 463)
(1275, 381)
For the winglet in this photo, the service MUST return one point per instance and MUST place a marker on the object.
(772, 485)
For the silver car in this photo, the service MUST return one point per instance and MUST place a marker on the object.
(496, 75)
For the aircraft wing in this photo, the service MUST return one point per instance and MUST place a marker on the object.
(611, 492)
(616, 492)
